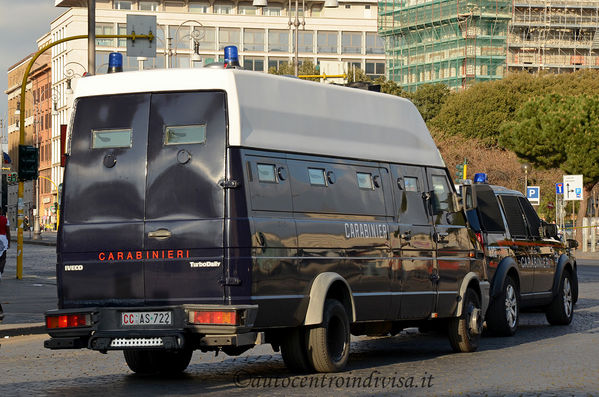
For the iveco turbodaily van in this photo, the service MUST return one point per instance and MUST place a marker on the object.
(215, 209)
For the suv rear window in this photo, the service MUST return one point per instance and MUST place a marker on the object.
(514, 216)
(490, 214)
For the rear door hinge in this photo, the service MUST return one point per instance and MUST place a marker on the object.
(228, 183)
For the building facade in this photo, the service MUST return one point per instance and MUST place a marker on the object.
(559, 36)
(444, 41)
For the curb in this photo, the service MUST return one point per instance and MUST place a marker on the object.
(22, 329)
(36, 242)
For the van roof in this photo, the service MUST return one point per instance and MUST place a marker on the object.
(288, 114)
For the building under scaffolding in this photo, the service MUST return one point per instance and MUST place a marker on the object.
(558, 36)
(455, 42)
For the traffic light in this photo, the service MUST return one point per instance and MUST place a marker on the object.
(460, 172)
(11, 177)
(28, 162)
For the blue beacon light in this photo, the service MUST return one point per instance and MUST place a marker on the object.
(480, 177)
(115, 62)
(231, 57)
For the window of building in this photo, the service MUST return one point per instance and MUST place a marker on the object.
(245, 8)
(122, 29)
(351, 42)
(374, 44)
(292, 10)
(327, 42)
(316, 10)
(253, 40)
(201, 7)
(353, 64)
(228, 36)
(347, 6)
(278, 40)
(104, 28)
(305, 41)
(180, 35)
(223, 8)
(149, 5)
(276, 63)
(122, 4)
(375, 68)
(253, 63)
(207, 38)
(273, 10)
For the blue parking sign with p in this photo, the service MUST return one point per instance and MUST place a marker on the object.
(533, 194)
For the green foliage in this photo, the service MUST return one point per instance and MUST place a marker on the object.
(357, 74)
(481, 110)
(557, 131)
(288, 69)
(429, 99)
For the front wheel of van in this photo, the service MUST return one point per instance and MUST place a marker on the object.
(328, 343)
(146, 362)
(464, 331)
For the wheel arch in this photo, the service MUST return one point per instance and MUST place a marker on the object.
(564, 264)
(471, 280)
(507, 267)
(329, 285)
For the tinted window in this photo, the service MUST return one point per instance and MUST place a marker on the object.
(514, 216)
(534, 223)
(316, 176)
(266, 173)
(442, 197)
(488, 208)
(103, 139)
(175, 135)
(364, 180)
(411, 184)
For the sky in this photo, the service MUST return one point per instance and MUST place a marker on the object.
(22, 22)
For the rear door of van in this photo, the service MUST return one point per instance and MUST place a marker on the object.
(143, 210)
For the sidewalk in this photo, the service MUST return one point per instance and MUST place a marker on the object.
(25, 301)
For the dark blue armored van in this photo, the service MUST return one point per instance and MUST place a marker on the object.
(214, 210)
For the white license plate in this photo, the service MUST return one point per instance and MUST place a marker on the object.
(146, 318)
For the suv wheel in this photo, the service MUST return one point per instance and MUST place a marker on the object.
(561, 309)
(503, 314)
(464, 331)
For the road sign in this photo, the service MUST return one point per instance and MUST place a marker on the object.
(141, 24)
(572, 187)
(533, 194)
(559, 188)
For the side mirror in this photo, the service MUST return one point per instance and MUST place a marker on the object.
(571, 243)
(549, 230)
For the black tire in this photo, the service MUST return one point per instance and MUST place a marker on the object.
(503, 314)
(146, 362)
(328, 343)
(294, 350)
(462, 337)
(561, 309)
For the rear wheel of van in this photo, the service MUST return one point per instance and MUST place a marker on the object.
(145, 362)
(328, 344)
(295, 351)
(464, 331)
(561, 309)
(503, 314)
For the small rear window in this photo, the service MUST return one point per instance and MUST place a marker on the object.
(266, 173)
(365, 180)
(411, 184)
(184, 134)
(117, 138)
(316, 176)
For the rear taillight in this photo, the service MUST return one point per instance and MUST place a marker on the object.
(479, 237)
(221, 317)
(68, 321)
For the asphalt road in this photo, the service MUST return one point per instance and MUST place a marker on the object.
(539, 360)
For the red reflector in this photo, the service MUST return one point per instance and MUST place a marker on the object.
(479, 237)
(215, 317)
(67, 321)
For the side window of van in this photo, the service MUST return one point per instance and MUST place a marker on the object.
(410, 184)
(442, 200)
(534, 223)
(514, 216)
(365, 180)
(316, 176)
(266, 173)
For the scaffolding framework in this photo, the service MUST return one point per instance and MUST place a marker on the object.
(558, 36)
(444, 41)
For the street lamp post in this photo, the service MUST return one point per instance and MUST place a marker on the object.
(296, 23)
(195, 35)
(525, 167)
